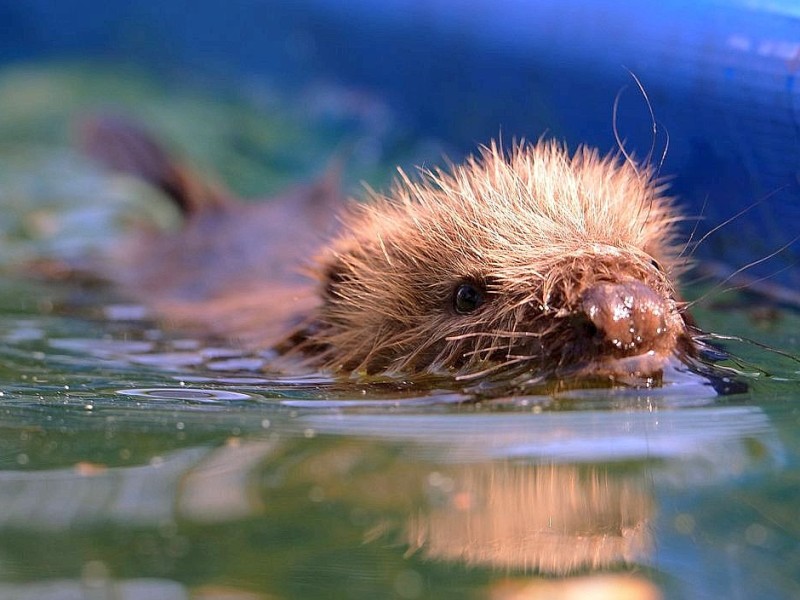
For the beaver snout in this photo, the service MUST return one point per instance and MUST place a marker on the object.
(627, 318)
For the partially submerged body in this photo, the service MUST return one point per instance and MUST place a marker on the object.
(234, 269)
(532, 264)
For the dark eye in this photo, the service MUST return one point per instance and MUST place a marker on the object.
(654, 262)
(467, 298)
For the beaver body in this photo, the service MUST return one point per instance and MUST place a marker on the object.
(533, 262)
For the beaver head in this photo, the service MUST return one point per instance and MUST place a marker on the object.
(533, 260)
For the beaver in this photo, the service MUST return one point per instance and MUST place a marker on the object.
(532, 262)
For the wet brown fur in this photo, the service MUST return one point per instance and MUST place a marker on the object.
(540, 231)
(536, 226)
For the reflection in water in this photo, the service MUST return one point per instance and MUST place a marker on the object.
(559, 493)
(554, 519)
(605, 586)
(703, 444)
(60, 499)
(196, 484)
(65, 589)
(372, 500)
(220, 489)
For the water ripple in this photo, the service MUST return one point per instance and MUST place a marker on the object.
(196, 395)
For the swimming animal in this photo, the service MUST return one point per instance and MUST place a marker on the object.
(533, 262)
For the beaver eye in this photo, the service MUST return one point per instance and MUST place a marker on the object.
(654, 262)
(467, 298)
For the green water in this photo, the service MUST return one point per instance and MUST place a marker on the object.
(135, 463)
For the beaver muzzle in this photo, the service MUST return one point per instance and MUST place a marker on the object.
(626, 319)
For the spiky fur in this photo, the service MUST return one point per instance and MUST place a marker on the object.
(535, 225)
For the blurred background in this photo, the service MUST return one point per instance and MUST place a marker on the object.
(719, 77)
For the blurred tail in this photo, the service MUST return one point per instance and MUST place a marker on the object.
(125, 146)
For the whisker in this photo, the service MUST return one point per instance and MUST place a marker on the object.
(654, 138)
(505, 334)
(493, 369)
(511, 340)
(694, 229)
(737, 338)
(481, 350)
(729, 220)
(701, 277)
(620, 144)
(489, 349)
(652, 115)
(760, 286)
(744, 268)
(664, 153)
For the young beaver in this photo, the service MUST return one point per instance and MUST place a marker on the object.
(531, 262)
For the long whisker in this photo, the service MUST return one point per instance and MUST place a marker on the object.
(488, 349)
(493, 368)
(736, 338)
(505, 334)
(652, 115)
(729, 220)
(654, 137)
(761, 285)
(702, 277)
(741, 269)
(664, 153)
(620, 144)
(694, 229)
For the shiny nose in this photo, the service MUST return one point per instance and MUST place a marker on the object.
(628, 316)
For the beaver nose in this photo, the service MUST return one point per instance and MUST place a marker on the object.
(629, 316)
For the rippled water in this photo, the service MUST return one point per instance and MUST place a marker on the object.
(135, 463)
